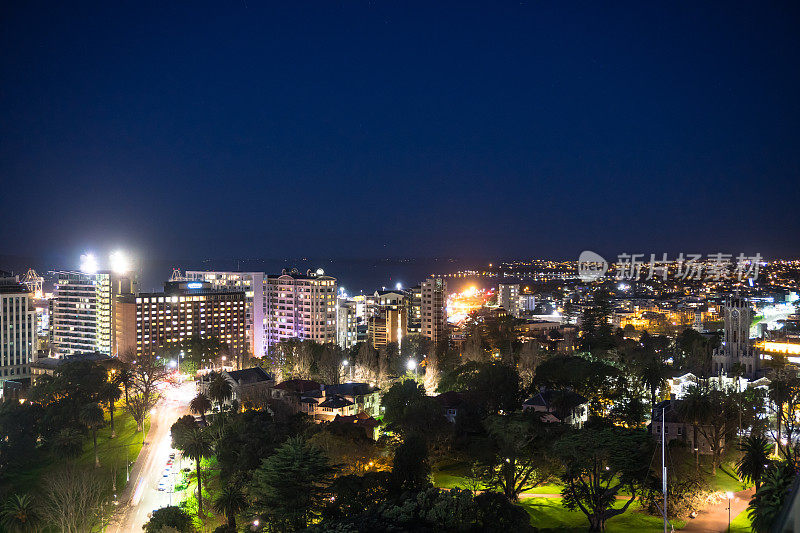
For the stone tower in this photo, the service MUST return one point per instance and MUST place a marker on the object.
(736, 346)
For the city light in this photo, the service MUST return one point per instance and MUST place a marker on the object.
(119, 262)
(88, 263)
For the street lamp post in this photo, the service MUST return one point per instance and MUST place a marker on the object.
(347, 364)
(729, 494)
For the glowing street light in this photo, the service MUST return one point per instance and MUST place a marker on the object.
(119, 262)
(88, 263)
(412, 365)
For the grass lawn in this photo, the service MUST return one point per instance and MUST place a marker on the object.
(741, 524)
(549, 515)
(726, 478)
(452, 476)
(112, 454)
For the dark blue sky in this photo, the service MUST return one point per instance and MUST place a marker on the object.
(233, 129)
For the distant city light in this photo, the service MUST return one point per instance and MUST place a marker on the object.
(88, 263)
(195, 285)
(119, 262)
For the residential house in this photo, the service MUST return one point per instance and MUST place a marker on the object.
(567, 407)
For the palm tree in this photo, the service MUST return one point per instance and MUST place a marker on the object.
(125, 378)
(220, 389)
(68, 443)
(755, 460)
(92, 417)
(188, 437)
(111, 393)
(651, 375)
(230, 502)
(199, 405)
(19, 514)
(695, 408)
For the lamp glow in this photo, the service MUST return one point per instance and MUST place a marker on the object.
(119, 262)
(411, 364)
(88, 263)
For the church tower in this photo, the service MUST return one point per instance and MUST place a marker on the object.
(736, 345)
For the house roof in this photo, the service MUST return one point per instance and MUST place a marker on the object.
(298, 385)
(255, 374)
(545, 398)
(361, 419)
(336, 402)
(350, 389)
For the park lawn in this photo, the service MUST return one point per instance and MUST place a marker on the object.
(452, 476)
(726, 478)
(548, 514)
(741, 524)
(112, 454)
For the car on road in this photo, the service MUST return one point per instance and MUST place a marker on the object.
(162, 486)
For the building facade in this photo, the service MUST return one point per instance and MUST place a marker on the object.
(18, 338)
(189, 309)
(301, 306)
(433, 308)
(737, 348)
(253, 285)
(508, 298)
(82, 311)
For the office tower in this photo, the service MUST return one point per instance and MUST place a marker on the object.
(82, 311)
(508, 297)
(301, 306)
(736, 345)
(434, 309)
(527, 303)
(184, 310)
(252, 283)
(18, 339)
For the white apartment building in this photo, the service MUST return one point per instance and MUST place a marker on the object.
(508, 298)
(301, 306)
(254, 286)
(82, 311)
(433, 306)
(18, 338)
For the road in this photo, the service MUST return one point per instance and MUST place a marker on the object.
(714, 519)
(141, 496)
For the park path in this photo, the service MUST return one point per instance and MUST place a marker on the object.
(715, 517)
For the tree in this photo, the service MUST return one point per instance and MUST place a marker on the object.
(188, 437)
(713, 415)
(598, 465)
(147, 372)
(652, 376)
(169, 517)
(784, 391)
(20, 514)
(199, 405)
(767, 502)
(111, 394)
(288, 488)
(219, 389)
(492, 387)
(20, 427)
(411, 469)
(67, 444)
(230, 501)
(518, 456)
(755, 459)
(409, 410)
(75, 500)
(92, 417)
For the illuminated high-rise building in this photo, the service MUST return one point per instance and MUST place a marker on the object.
(253, 285)
(508, 298)
(18, 339)
(301, 306)
(82, 311)
(433, 295)
(184, 310)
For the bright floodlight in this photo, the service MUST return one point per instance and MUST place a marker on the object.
(411, 365)
(173, 364)
(88, 263)
(345, 362)
(399, 286)
(729, 494)
(119, 262)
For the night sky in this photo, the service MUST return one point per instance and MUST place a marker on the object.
(375, 129)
